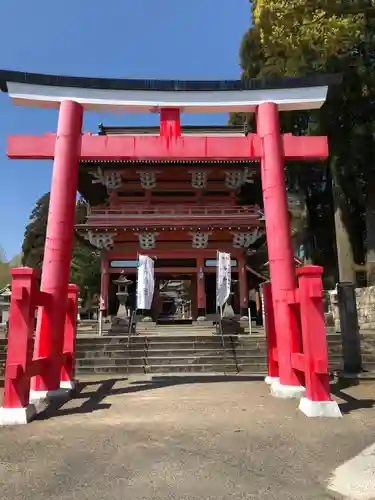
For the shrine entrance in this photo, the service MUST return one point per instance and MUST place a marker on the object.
(173, 299)
(69, 147)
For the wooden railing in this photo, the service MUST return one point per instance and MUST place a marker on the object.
(175, 211)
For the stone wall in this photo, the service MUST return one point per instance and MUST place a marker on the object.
(365, 298)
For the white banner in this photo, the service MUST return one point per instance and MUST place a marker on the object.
(223, 278)
(145, 282)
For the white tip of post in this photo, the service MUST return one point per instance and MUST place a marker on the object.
(287, 391)
(328, 409)
(17, 416)
(69, 385)
(271, 380)
(37, 396)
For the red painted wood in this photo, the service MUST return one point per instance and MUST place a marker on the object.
(20, 338)
(172, 236)
(58, 247)
(314, 338)
(269, 320)
(201, 292)
(242, 284)
(166, 148)
(280, 254)
(68, 364)
(169, 253)
(170, 125)
(104, 283)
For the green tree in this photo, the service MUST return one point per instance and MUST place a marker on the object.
(296, 38)
(85, 271)
(85, 267)
(35, 234)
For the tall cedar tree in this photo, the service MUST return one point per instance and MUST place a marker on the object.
(299, 37)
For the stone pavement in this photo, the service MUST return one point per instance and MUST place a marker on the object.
(187, 437)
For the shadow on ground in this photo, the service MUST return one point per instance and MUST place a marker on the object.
(351, 403)
(93, 399)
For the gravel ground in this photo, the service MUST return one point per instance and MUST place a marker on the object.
(187, 437)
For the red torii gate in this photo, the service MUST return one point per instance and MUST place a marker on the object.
(68, 146)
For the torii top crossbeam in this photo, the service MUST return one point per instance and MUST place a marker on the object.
(110, 94)
(169, 98)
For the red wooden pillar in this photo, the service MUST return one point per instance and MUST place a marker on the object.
(170, 122)
(58, 247)
(16, 408)
(201, 292)
(280, 254)
(68, 368)
(243, 288)
(194, 296)
(104, 285)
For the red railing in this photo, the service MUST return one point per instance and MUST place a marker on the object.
(175, 210)
(269, 327)
(310, 358)
(20, 363)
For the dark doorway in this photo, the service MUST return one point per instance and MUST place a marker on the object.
(210, 289)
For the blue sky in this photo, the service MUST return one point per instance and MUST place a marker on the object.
(182, 39)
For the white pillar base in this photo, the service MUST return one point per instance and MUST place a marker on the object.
(328, 409)
(36, 396)
(287, 391)
(69, 385)
(201, 318)
(17, 416)
(271, 380)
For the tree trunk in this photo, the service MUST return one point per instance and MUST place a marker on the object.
(344, 249)
(345, 255)
(370, 241)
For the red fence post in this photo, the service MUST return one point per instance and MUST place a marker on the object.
(16, 408)
(68, 367)
(269, 320)
(317, 401)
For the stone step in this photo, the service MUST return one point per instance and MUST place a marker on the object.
(171, 343)
(171, 360)
(114, 350)
(164, 352)
(252, 369)
(175, 340)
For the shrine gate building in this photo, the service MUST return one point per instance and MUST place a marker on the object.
(180, 212)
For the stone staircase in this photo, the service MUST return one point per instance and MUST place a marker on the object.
(172, 353)
(185, 349)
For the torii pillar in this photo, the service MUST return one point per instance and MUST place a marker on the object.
(280, 253)
(58, 247)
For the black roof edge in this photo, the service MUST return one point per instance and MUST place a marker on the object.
(104, 129)
(312, 80)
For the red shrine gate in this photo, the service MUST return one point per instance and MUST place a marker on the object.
(180, 213)
(293, 306)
